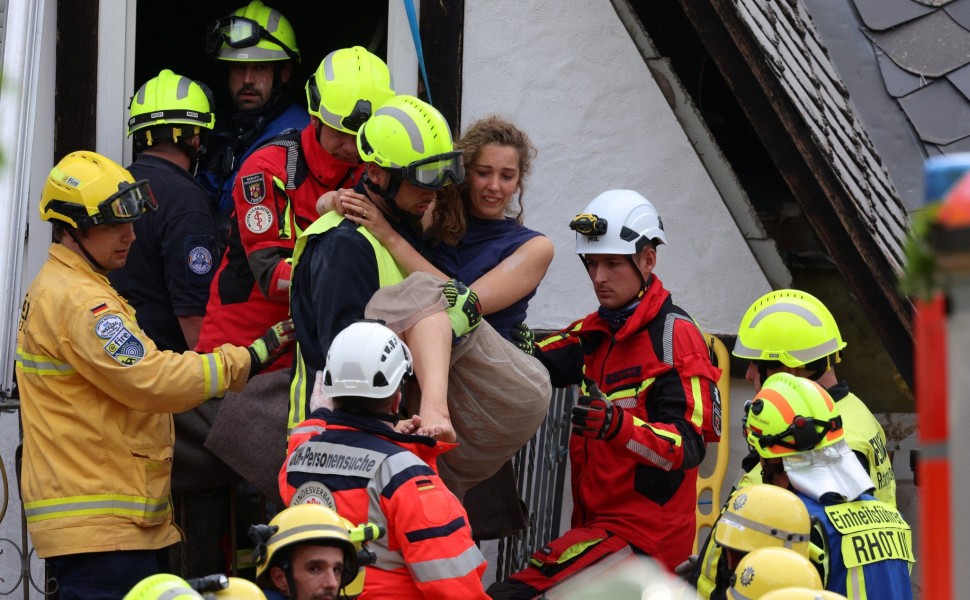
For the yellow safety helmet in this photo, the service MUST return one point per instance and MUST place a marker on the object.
(760, 516)
(791, 415)
(252, 33)
(170, 100)
(304, 524)
(348, 86)
(788, 326)
(162, 586)
(86, 189)
(767, 569)
(800, 593)
(411, 139)
(238, 589)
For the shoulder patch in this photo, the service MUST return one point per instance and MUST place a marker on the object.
(253, 187)
(199, 260)
(97, 310)
(259, 219)
(125, 347)
(108, 326)
(314, 492)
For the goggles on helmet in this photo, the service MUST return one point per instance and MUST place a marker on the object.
(588, 225)
(239, 32)
(807, 432)
(125, 205)
(435, 172)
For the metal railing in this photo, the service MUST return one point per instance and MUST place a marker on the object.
(540, 470)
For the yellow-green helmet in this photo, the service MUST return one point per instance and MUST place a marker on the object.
(348, 86)
(789, 326)
(412, 139)
(86, 189)
(305, 524)
(169, 100)
(766, 569)
(252, 33)
(759, 516)
(162, 586)
(791, 415)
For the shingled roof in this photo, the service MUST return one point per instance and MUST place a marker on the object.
(771, 57)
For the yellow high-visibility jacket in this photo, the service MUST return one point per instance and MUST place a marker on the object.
(96, 397)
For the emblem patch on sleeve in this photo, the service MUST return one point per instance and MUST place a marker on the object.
(108, 326)
(314, 492)
(200, 260)
(124, 347)
(253, 188)
(259, 219)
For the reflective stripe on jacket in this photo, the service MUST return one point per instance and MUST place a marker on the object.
(96, 396)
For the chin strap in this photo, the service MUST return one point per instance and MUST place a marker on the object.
(73, 233)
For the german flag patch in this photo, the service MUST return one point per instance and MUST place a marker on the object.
(97, 310)
(425, 485)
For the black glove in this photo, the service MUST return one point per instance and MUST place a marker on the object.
(524, 339)
(464, 310)
(271, 345)
(595, 417)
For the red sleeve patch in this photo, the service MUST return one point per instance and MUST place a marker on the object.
(253, 187)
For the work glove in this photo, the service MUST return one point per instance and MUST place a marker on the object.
(595, 417)
(464, 310)
(271, 345)
(524, 339)
(684, 569)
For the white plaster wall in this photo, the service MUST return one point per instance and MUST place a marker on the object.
(569, 75)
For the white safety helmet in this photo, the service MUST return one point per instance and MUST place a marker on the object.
(617, 222)
(367, 360)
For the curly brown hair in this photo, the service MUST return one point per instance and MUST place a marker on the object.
(449, 217)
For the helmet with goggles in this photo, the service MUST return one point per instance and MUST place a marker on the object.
(86, 189)
(791, 415)
(366, 360)
(171, 107)
(617, 222)
(348, 86)
(252, 33)
(791, 327)
(412, 140)
(762, 515)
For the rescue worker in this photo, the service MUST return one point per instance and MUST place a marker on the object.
(757, 516)
(276, 192)
(648, 403)
(765, 569)
(791, 331)
(258, 46)
(97, 392)
(309, 551)
(353, 460)
(797, 430)
(162, 586)
(474, 386)
(169, 268)
(166, 280)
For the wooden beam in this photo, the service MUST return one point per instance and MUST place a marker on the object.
(808, 173)
(75, 76)
(442, 29)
